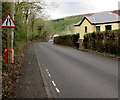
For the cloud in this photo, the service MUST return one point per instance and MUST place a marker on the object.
(66, 0)
(70, 8)
(74, 7)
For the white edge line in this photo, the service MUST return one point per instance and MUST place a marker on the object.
(53, 83)
(57, 90)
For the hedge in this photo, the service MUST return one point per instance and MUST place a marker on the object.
(108, 41)
(67, 40)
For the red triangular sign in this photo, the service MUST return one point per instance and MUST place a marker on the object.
(8, 22)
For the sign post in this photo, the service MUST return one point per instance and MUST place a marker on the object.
(8, 22)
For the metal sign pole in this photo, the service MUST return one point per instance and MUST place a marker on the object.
(12, 14)
(8, 45)
(12, 38)
(9, 23)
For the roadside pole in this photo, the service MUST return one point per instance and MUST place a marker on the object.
(8, 45)
(12, 30)
(10, 34)
(8, 22)
(12, 38)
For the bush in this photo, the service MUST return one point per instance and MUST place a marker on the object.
(67, 40)
(107, 41)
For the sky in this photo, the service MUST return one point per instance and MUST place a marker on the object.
(62, 8)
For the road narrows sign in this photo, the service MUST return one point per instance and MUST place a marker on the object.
(8, 22)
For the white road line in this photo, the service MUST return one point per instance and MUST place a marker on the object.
(53, 83)
(57, 90)
(46, 70)
(49, 75)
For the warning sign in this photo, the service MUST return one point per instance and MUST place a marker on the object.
(8, 22)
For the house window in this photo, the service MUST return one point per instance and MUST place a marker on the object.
(85, 29)
(108, 27)
(97, 28)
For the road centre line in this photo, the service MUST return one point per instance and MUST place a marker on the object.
(49, 75)
(53, 83)
(46, 70)
(57, 90)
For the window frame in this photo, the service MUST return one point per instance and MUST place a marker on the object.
(98, 29)
(86, 29)
(107, 29)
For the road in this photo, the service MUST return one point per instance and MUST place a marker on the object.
(71, 73)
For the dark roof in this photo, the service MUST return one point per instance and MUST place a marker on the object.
(100, 18)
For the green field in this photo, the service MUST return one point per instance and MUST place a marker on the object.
(64, 25)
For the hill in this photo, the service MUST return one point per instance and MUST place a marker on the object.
(65, 25)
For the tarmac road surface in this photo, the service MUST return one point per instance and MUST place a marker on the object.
(71, 73)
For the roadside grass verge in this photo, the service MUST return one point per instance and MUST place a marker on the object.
(12, 72)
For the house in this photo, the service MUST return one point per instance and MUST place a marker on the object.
(54, 35)
(102, 21)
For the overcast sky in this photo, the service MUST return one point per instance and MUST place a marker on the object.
(62, 8)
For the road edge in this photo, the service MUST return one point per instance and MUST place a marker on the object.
(91, 52)
(48, 93)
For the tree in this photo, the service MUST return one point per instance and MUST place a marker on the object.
(25, 17)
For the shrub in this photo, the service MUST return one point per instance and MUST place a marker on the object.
(107, 41)
(67, 40)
